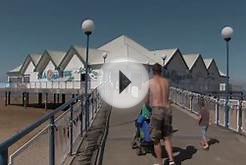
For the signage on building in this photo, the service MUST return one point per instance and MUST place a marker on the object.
(54, 75)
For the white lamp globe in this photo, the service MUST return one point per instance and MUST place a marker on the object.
(88, 26)
(105, 55)
(227, 33)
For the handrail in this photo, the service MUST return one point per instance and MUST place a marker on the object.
(7, 143)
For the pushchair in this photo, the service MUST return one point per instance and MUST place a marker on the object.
(142, 141)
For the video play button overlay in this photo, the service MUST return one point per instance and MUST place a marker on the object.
(124, 81)
(123, 84)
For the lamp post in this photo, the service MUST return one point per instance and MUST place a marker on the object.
(88, 27)
(105, 55)
(227, 33)
(163, 68)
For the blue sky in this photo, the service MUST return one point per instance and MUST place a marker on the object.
(31, 26)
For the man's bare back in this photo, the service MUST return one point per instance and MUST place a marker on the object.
(159, 92)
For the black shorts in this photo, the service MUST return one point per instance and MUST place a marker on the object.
(161, 124)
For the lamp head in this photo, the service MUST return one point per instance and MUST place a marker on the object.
(105, 55)
(227, 33)
(88, 26)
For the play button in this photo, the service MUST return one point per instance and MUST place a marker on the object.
(124, 81)
(123, 84)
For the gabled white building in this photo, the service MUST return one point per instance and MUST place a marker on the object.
(174, 65)
(47, 67)
(74, 61)
(213, 74)
(185, 71)
(127, 49)
(198, 71)
(23, 72)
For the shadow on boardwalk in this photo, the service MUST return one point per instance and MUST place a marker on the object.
(225, 146)
(181, 154)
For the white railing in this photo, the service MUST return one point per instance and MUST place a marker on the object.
(52, 84)
(237, 108)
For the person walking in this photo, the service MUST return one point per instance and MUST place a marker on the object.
(158, 100)
(204, 123)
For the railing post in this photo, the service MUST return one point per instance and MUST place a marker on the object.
(86, 112)
(191, 98)
(4, 157)
(71, 130)
(240, 115)
(218, 111)
(81, 115)
(52, 141)
(92, 107)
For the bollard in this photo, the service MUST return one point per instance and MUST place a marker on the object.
(71, 130)
(52, 141)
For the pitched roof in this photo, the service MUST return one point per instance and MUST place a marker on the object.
(166, 54)
(124, 48)
(56, 56)
(95, 56)
(35, 58)
(190, 59)
(17, 69)
(208, 62)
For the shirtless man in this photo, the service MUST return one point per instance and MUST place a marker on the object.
(161, 114)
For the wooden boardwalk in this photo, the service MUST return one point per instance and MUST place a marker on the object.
(226, 148)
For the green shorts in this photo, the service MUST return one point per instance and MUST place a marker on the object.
(161, 124)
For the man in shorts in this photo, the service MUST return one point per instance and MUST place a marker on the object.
(158, 99)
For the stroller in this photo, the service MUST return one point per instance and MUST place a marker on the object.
(142, 141)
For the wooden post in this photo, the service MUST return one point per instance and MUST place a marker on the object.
(27, 98)
(54, 98)
(24, 99)
(46, 101)
(63, 98)
(6, 98)
(40, 98)
(9, 95)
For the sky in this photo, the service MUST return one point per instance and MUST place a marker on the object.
(193, 26)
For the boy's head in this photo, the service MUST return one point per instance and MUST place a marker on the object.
(201, 102)
(156, 69)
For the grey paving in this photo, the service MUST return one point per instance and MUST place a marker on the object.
(228, 148)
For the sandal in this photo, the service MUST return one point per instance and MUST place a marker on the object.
(171, 163)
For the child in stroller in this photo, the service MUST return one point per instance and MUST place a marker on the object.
(142, 141)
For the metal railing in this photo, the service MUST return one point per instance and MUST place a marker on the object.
(74, 84)
(237, 108)
(59, 131)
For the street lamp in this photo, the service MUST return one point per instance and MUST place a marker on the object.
(227, 33)
(163, 67)
(88, 27)
(105, 55)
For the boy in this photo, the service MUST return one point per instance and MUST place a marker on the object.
(204, 123)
